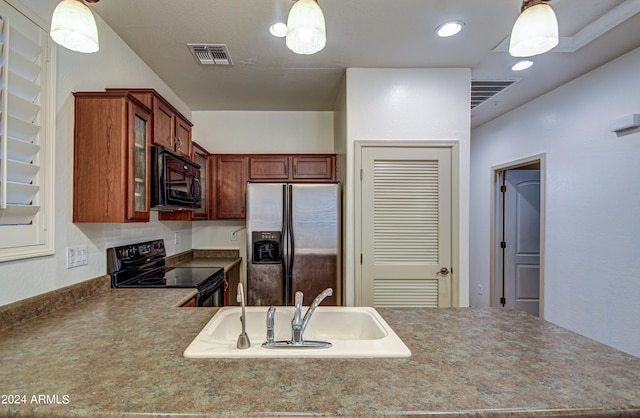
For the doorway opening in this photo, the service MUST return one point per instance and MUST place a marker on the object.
(517, 242)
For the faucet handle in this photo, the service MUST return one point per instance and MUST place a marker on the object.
(270, 316)
(240, 294)
(270, 324)
(297, 312)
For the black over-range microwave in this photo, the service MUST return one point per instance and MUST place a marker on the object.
(175, 181)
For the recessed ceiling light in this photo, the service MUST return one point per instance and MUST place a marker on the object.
(278, 29)
(449, 29)
(522, 65)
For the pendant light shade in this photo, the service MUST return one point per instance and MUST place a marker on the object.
(535, 32)
(306, 33)
(74, 27)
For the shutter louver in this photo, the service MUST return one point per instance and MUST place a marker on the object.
(396, 292)
(20, 128)
(406, 211)
(27, 109)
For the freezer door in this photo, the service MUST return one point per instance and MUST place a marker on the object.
(264, 213)
(315, 237)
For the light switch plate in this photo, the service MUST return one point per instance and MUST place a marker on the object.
(77, 256)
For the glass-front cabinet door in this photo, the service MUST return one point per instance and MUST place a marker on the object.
(139, 140)
(200, 157)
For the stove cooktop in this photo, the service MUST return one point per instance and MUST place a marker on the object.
(177, 277)
(143, 265)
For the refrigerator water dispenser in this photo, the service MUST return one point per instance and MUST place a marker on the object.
(266, 247)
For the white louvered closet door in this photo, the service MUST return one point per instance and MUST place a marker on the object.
(406, 226)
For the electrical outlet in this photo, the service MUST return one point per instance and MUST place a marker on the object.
(480, 289)
(234, 236)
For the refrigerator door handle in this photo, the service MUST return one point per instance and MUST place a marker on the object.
(291, 241)
(284, 238)
(283, 225)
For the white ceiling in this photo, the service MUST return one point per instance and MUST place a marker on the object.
(265, 75)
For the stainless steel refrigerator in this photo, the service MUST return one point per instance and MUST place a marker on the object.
(293, 240)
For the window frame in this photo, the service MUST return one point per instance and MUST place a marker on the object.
(43, 241)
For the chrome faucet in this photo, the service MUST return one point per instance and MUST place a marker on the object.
(270, 323)
(243, 340)
(299, 324)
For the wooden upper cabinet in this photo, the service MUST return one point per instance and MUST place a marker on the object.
(201, 157)
(296, 168)
(170, 128)
(268, 168)
(183, 144)
(320, 168)
(163, 124)
(230, 187)
(111, 158)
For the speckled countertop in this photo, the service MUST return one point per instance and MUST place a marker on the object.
(226, 262)
(120, 353)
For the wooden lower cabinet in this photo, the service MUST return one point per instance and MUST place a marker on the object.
(191, 303)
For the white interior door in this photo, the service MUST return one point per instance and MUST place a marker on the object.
(522, 240)
(406, 226)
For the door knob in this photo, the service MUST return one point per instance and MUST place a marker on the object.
(444, 271)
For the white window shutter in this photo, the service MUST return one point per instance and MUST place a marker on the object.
(26, 172)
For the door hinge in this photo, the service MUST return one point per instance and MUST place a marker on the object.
(361, 175)
(503, 189)
(503, 244)
(360, 258)
(503, 301)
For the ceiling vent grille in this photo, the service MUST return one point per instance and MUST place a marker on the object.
(208, 54)
(483, 90)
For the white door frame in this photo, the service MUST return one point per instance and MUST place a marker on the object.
(495, 265)
(454, 145)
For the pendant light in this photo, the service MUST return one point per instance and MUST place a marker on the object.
(74, 27)
(306, 33)
(536, 30)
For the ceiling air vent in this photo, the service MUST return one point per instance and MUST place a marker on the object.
(483, 90)
(211, 54)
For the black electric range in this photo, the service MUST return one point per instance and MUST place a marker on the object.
(143, 265)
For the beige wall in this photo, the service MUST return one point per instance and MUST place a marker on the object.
(265, 132)
(406, 104)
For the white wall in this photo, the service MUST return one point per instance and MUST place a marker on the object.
(592, 248)
(262, 132)
(115, 65)
(401, 104)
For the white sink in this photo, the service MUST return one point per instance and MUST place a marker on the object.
(353, 332)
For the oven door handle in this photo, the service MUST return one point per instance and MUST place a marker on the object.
(213, 287)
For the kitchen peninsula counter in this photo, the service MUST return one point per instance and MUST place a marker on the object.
(120, 353)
